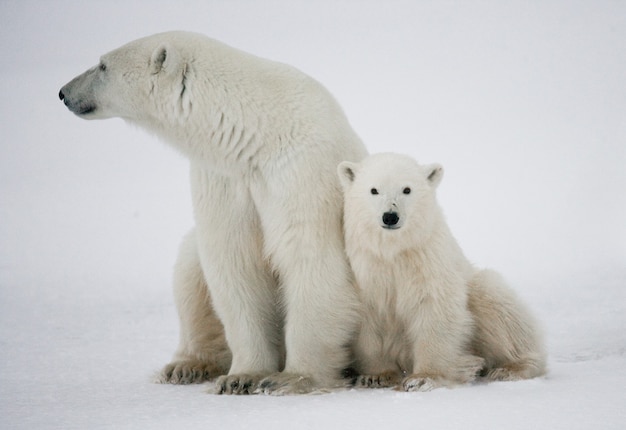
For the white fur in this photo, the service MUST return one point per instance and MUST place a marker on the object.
(429, 316)
(264, 141)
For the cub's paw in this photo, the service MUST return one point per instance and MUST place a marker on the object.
(503, 374)
(382, 380)
(280, 384)
(188, 372)
(515, 371)
(421, 383)
(236, 384)
(470, 367)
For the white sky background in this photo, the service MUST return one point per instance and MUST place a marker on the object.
(524, 103)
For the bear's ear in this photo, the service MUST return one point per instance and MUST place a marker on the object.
(434, 174)
(347, 172)
(164, 58)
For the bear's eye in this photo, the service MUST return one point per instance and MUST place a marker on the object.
(374, 191)
(103, 67)
(407, 190)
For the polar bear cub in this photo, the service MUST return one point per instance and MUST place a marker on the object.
(430, 318)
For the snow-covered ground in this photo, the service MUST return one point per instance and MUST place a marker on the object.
(524, 103)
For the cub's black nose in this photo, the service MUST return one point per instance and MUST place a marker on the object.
(61, 95)
(390, 218)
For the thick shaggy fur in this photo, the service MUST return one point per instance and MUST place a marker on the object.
(430, 318)
(268, 255)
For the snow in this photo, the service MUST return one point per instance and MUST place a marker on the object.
(524, 104)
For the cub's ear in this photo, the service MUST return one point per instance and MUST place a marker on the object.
(164, 58)
(347, 172)
(434, 174)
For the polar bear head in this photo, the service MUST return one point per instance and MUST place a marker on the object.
(146, 80)
(390, 194)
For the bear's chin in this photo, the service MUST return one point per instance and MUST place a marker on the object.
(91, 112)
(83, 110)
(86, 110)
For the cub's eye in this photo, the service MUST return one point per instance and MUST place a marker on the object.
(103, 67)
(374, 191)
(407, 190)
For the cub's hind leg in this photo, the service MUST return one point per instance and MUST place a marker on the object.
(506, 333)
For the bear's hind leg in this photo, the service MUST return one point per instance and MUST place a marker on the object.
(202, 353)
(506, 334)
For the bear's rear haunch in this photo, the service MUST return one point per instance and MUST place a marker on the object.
(263, 288)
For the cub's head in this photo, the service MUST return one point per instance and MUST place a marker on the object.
(138, 81)
(389, 195)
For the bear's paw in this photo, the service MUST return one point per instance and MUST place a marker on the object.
(421, 383)
(241, 384)
(382, 380)
(284, 383)
(188, 372)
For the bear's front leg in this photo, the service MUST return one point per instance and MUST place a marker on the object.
(305, 243)
(441, 331)
(242, 287)
(203, 353)
(376, 358)
(320, 321)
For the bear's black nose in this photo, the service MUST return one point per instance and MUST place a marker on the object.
(61, 95)
(390, 218)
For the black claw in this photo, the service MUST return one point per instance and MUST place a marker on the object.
(266, 384)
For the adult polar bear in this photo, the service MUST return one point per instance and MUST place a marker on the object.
(264, 141)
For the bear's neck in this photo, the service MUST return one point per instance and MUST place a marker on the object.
(221, 144)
